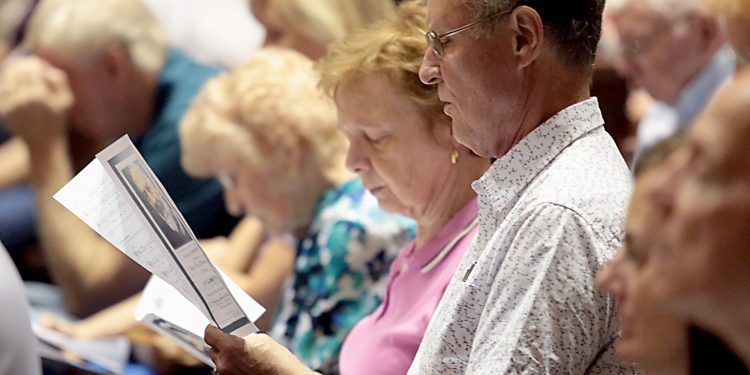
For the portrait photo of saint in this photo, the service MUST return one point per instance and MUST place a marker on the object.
(154, 201)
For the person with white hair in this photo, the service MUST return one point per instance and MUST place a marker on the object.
(676, 51)
(102, 68)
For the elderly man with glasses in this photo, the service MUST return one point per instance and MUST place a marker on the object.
(674, 50)
(514, 76)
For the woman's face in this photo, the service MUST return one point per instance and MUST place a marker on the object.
(249, 189)
(401, 158)
(284, 33)
(649, 337)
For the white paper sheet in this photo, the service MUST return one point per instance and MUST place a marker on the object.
(121, 199)
(171, 315)
(110, 353)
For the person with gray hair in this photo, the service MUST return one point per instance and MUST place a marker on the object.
(514, 76)
(102, 68)
(676, 51)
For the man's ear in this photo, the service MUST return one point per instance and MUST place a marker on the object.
(528, 35)
(709, 29)
(117, 62)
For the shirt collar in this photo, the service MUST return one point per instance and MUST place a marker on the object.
(435, 250)
(510, 174)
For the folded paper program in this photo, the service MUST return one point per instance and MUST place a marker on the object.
(119, 197)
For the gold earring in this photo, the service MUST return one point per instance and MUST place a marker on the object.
(454, 156)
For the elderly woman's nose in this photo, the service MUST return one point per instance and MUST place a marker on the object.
(356, 160)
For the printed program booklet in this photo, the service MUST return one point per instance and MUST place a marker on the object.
(120, 197)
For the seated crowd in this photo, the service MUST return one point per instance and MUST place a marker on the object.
(416, 186)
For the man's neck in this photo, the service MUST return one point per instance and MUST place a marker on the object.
(551, 89)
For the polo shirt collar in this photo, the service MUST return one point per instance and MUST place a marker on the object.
(439, 246)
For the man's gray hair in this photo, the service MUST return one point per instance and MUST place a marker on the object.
(81, 30)
(573, 26)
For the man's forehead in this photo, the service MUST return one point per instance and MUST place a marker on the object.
(443, 12)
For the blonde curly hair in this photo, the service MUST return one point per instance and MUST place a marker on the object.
(394, 46)
(263, 111)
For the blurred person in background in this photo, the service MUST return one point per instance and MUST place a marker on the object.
(676, 51)
(104, 69)
(402, 148)
(309, 26)
(219, 32)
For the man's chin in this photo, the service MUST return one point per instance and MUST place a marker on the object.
(467, 141)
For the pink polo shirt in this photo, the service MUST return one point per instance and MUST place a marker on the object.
(386, 341)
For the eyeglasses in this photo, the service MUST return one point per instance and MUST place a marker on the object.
(635, 48)
(436, 43)
(632, 48)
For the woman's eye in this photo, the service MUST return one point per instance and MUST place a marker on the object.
(374, 140)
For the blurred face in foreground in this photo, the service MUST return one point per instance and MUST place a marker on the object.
(704, 188)
(650, 337)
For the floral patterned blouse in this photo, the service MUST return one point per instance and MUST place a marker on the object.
(339, 274)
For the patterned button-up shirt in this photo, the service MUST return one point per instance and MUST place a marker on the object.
(522, 301)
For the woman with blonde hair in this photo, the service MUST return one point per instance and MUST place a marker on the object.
(269, 135)
(402, 147)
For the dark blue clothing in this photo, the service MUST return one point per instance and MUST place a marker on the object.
(17, 217)
(17, 212)
(200, 201)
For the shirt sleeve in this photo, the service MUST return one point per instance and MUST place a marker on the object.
(543, 314)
